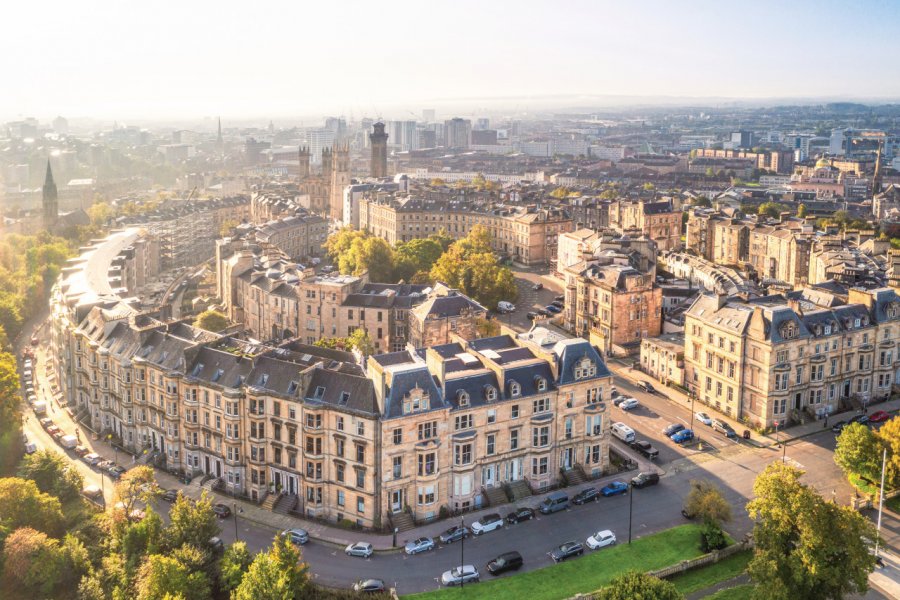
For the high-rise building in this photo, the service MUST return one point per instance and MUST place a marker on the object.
(378, 139)
(318, 140)
(50, 200)
(482, 123)
(457, 133)
(340, 178)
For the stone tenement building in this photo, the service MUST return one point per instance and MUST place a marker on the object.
(301, 235)
(309, 429)
(659, 221)
(274, 299)
(527, 235)
(793, 357)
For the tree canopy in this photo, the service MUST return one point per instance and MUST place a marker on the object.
(52, 474)
(23, 504)
(278, 574)
(806, 548)
(859, 451)
(633, 585)
(471, 267)
(211, 320)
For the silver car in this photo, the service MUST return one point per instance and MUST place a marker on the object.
(298, 537)
(361, 549)
(422, 544)
(459, 575)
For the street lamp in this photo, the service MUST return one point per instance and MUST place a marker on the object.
(115, 448)
(880, 502)
(630, 508)
(692, 410)
(236, 509)
(462, 546)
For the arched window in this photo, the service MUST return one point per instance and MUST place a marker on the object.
(540, 383)
(490, 393)
(515, 389)
(462, 397)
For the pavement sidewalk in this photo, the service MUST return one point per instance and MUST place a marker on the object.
(887, 579)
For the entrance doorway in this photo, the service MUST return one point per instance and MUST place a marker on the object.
(396, 501)
(488, 476)
(568, 458)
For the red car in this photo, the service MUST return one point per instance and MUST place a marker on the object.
(879, 416)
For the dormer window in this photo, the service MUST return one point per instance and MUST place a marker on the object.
(540, 383)
(515, 389)
(585, 368)
(490, 393)
(416, 400)
(893, 310)
(789, 330)
(462, 397)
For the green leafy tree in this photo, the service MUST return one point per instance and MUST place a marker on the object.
(333, 343)
(801, 211)
(889, 436)
(561, 192)
(706, 502)
(163, 577)
(22, 504)
(371, 254)
(36, 566)
(278, 574)
(136, 485)
(805, 548)
(471, 267)
(192, 523)
(858, 451)
(339, 242)
(100, 213)
(771, 209)
(361, 341)
(141, 538)
(633, 585)
(702, 202)
(487, 327)
(234, 564)
(416, 255)
(211, 320)
(52, 474)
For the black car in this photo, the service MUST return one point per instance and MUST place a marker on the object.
(558, 304)
(567, 550)
(537, 286)
(560, 298)
(520, 514)
(645, 448)
(453, 534)
(170, 495)
(839, 426)
(645, 479)
(861, 419)
(544, 312)
(645, 385)
(222, 511)
(673, 429)
(508, 561)
(532, 316)
(116, 471)
(590, 494)
(369, 586)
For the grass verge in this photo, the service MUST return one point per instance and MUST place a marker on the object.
(704, 577)
(585, 574)
(740, 592)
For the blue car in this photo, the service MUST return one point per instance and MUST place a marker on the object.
(614, 488)
(673, 429)
(685, 435)
(552, 309)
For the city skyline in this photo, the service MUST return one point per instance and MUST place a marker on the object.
(131, 62)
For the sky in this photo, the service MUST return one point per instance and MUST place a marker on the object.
(193, 58)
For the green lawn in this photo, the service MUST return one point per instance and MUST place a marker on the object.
(582, 575)
(705, 577)
(741, 592)
(861, 484)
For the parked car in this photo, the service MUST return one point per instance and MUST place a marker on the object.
(861, 419)
(105, 465)
(537, 286)
(558, 304)
(644, 479)
(614, 488)
(34, 340)
(487, 523)
(543, 312)
(369, 586)
(567, 550)
(461, 574)
(522, 513)
(589, 494)
(723, 427)
(92, 492)
(683, 436)
(80, 450)
(46, 422)
(531, 316)
(673, 429)
(361, 549)
(453, 534)
(30, 447)
(646, 386)
(327, 269)
(601, 539)
(553, 309)
(623, 432)
(422, 544)
(703, 418)
(298, 536)
(629, 404)
(53, 429)
(508, 561)
(92, 458)
(222, 511)
(879, 416)
(216, 545)
(839, 426)
(554, 502)
(560, 298)
(116, 471)
(170, 495)
(617, 400)
(505, 307)
(645, 448)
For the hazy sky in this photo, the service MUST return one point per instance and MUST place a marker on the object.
(126, 59)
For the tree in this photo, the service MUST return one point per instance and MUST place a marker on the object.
(648, 187)
(633, 585)
(437, 182)
(100, 213)
(487, 327)
(137, 484)
(191, 522)
(211, 320)
(889, 436)
(702, 202)
(561, 192)
(22, 504)
(52, 474)
(140, 539)
(706, 502)
(801, 211)
(416, 255)
(36, 566)
(235, 562)
(339, 242)
(277, 574)
(164, 577)
(858, 452)
(361, 341)
(806, 548)
(371, 254)
(471, 267)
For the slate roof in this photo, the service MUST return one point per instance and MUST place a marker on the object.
(571, 350)
(403, 382)
(352, 392)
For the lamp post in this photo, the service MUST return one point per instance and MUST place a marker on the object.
(630, 508)
(692, 410)
(783, 451)
(234, 506)
(880, 502)
(462, 546)
(115, 448)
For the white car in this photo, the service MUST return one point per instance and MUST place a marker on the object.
(421, 544)
(361, 549)
(601, 539)
(487, 523)
(505, 307)
(703, 418)
(458, 575)
(629, 404)
(92, 458)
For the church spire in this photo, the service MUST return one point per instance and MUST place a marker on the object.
(219, 136)
(50, 200)
(48, 178)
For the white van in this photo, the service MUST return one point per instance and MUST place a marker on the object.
(40, 407)
(505, 307)
(68, 441)
(623, 432)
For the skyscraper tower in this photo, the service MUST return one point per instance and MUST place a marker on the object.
(219, 141)
(50, 200)
(378, 139)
